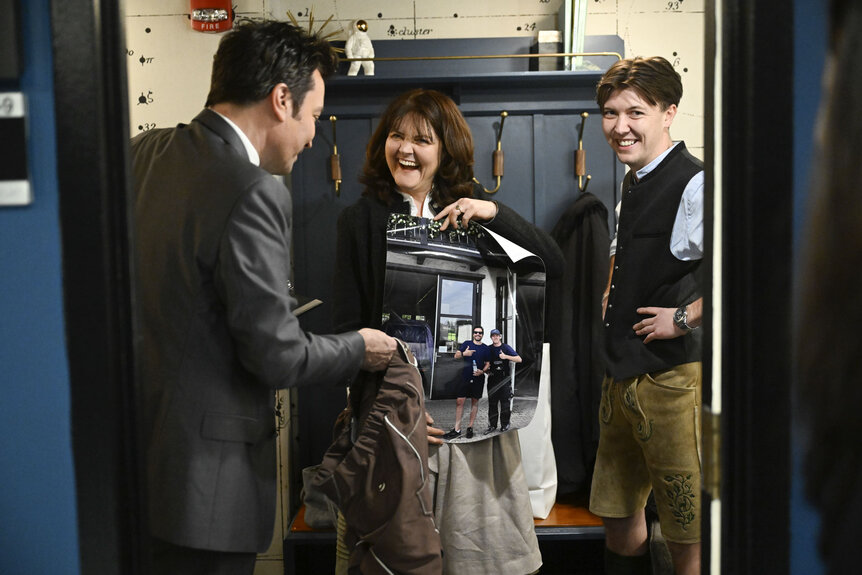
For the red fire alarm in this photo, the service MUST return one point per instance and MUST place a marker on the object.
(211, 15)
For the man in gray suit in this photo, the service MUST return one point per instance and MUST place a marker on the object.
(216, 331)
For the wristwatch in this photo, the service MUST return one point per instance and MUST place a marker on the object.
(679, 318)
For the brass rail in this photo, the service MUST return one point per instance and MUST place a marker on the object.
(484, 57)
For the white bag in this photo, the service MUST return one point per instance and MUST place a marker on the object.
(537, 451)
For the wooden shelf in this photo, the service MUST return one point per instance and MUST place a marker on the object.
(479, 87)
(568, 522)
(565, 522)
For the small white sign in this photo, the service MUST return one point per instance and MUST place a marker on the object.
(15, 188)
(11, 105)
(15, 193)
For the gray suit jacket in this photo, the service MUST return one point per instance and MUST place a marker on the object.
(216, 335)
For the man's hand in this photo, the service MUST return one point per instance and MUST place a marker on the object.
(433, 432)
(659, 325)
(468, 352)
(379, 349)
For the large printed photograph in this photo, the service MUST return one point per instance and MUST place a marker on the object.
(470, 305)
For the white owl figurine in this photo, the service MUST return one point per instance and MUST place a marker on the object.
(358, 45)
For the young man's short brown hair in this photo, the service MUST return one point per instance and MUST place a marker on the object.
(654, 79)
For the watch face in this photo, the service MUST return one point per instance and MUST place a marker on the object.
(679, 317)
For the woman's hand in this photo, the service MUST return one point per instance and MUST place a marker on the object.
(460, 212)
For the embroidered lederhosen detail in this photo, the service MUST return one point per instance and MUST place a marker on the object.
(644, 426)
(680, 494)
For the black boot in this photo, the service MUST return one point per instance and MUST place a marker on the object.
(625, 565)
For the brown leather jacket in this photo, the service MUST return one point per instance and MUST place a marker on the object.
(376, 472)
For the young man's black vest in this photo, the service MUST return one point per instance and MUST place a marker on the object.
(647, 274)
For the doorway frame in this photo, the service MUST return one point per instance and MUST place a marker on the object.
(756, 119)
(91, 110)
(92, 139)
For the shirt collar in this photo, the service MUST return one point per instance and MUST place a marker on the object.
(640, 174)
(414, 211)
(253, 156)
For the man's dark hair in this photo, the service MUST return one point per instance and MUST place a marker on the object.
(654, 79)
(256, 56)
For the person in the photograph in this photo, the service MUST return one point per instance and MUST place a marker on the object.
(419, 161)
(476, 365)
(217, 335)
(648, 417)
(500, 391)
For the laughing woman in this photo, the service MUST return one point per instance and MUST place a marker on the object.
(419, 161)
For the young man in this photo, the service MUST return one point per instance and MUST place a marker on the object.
(649, 438)
(500, 391)
(473, 380)
(217, 335)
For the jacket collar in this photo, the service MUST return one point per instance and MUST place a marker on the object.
(215, 123)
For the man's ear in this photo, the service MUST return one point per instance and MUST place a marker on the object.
(669, 115)
(281, 101)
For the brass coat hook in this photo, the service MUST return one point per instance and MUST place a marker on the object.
(497, 157)
(581, 157)
(335, 160)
